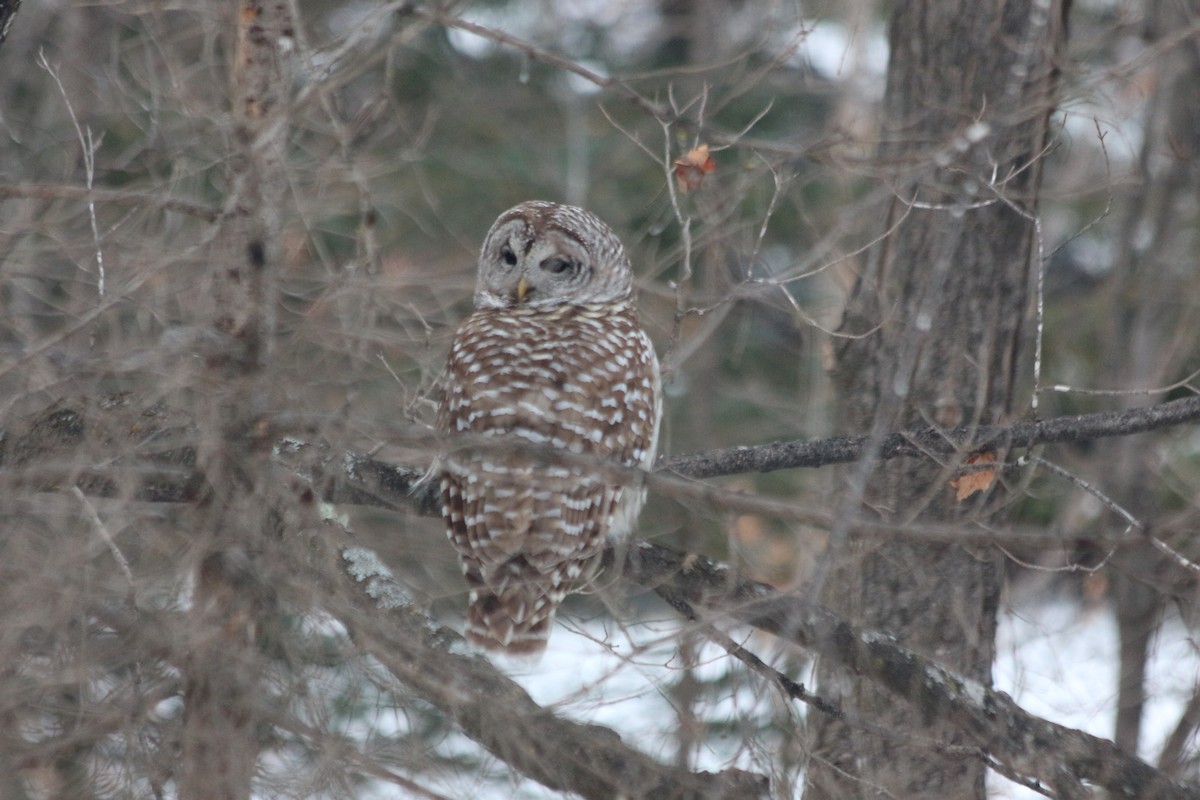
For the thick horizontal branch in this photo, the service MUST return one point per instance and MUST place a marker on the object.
(932, 441)
(376, 483)
(50, 450)
(586, 760)
(1023, 743)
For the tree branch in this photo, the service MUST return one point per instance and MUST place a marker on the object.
(1023, 743)
(166, 470)
(796, 691)
(65, 192)
(588, 760)
(930, 441)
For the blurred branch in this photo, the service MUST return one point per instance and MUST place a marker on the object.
(1059, 757)
(588, 760)
(536, 53)
(8, 14)
(1174, 754)
(65, 192)
(666, 114)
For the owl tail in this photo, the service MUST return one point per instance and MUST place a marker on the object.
(514, 618)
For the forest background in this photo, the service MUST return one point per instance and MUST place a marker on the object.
(235, 239)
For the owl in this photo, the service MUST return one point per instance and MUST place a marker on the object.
(552, 362)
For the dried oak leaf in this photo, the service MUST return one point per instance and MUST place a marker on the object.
(977, 480)
(691, 169)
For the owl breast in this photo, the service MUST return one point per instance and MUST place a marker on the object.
(573, 380)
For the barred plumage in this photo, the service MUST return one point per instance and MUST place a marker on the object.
(552, 357)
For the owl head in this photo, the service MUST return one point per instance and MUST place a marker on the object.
(540, 254)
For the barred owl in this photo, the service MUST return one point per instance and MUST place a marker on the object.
(552, 359)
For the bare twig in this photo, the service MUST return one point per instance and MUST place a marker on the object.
(104, 534)
(1133, 522)
(93, 195)
(8, 15)
(529, 50)
(88, 146)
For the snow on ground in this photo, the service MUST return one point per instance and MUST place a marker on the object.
(624, 679)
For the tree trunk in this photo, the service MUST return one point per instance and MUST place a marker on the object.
(237, 519)
(936, 319)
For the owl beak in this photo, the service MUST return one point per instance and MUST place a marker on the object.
(522, 289)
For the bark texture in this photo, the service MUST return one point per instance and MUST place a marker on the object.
(943, 302)
(237, 518)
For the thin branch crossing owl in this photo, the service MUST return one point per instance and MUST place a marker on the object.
(554, 361)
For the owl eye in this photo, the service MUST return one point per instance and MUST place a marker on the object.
(557, 265)
(508, 256)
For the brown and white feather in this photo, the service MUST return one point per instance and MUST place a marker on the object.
(573, 373)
